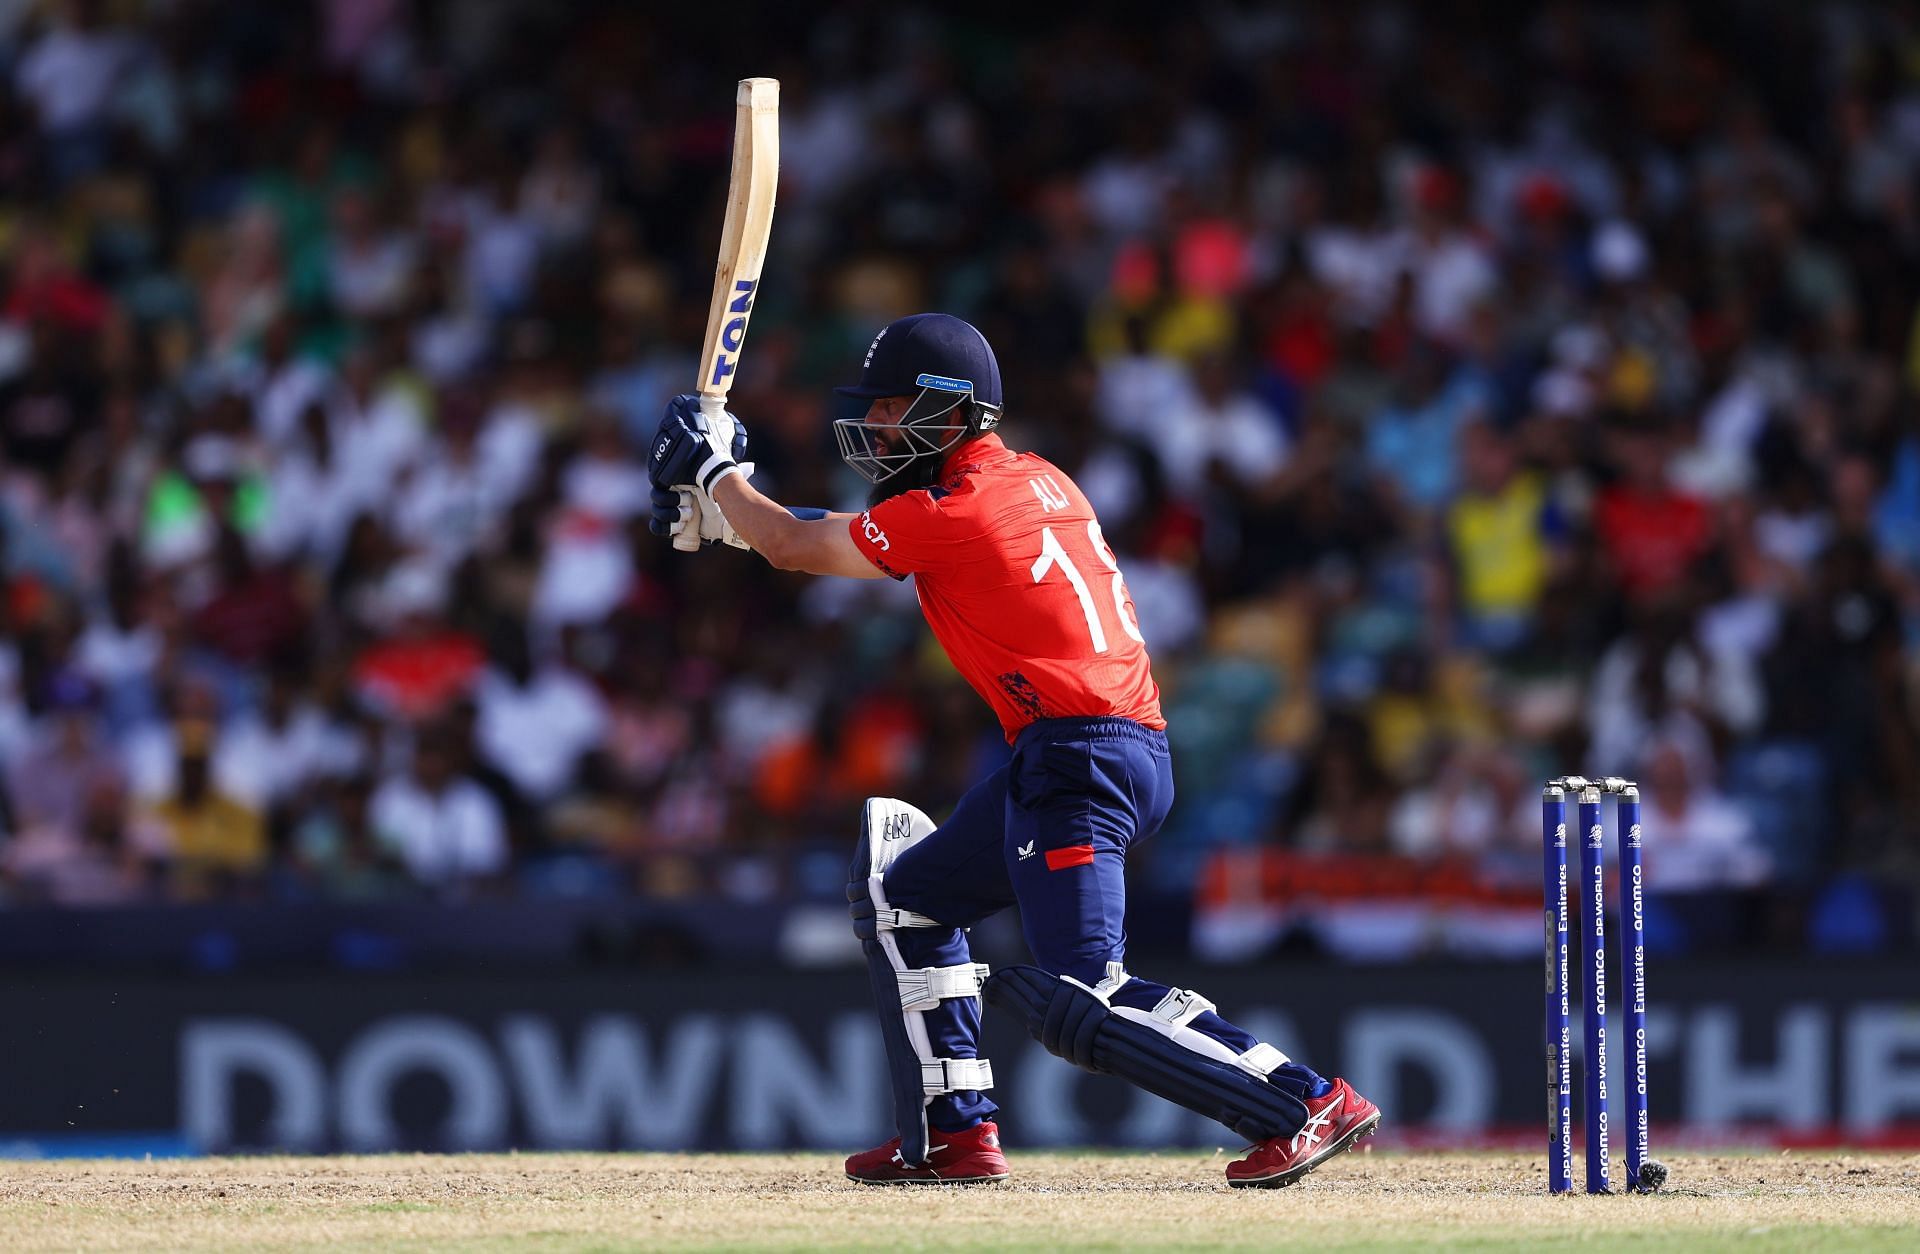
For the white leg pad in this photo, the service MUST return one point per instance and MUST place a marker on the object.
(892, 828)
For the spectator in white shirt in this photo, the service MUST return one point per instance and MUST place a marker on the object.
(71, 71)
(450, 502)
(450, 336)
(1139, 386)
(605, 478)
(447, 829)
(368, 263)
(313, 496)
(561, 193)
(379, 418)
(1451, 268)
(588, 567)
(1705, 841)
(285, 747)
(120, 650)
(510, 445)
(288, 382)
(1218, 423)
(503, 248)
(535, 724)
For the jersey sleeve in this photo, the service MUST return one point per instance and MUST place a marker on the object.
(918, 532)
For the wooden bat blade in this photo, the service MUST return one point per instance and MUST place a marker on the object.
(743, 239)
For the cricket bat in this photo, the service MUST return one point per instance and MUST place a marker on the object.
(743, 251)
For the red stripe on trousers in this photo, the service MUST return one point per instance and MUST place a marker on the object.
(1072, 855)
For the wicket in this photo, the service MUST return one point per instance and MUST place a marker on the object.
(1643, 1174)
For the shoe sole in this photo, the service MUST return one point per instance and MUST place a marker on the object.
(1281, 1180)
(956, 1180)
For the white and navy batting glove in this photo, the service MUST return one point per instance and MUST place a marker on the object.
(697, 445)
(693, 449)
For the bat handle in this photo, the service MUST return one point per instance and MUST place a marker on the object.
(713, 412)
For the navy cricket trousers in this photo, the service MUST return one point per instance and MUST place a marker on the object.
(1049, 832)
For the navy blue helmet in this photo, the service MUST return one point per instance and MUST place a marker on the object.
(949, 370)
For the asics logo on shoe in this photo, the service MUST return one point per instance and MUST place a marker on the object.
(1026, 851)
(1316, 1124)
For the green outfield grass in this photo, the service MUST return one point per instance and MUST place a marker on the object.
(1084, 1201)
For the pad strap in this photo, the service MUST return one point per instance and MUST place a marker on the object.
(1262, 1060)
(891, 918)
(955, 1075)
(923, 988)
(1115, 977)
(1180, 1007)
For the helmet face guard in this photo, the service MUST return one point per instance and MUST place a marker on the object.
(921, 439)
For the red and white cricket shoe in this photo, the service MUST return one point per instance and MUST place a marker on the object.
(1335, 1121)
(969, 1157)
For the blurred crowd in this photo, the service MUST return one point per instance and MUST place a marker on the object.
(1472, 396)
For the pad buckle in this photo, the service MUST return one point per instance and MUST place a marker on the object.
(923, 988)
(955, 1075)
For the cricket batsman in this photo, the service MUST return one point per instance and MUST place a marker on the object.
(1027, 599)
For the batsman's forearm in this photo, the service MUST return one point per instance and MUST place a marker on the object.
(785, 538)
(759, 520)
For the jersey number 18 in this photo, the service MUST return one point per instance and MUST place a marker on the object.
(1053, 554)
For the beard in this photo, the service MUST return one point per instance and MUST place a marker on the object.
(924, 470)
(919, 474)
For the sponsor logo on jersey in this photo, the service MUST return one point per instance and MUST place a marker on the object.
(875, 536)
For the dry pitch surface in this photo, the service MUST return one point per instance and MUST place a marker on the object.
(1171, 1201)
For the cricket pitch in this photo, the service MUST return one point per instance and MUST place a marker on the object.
(1080, 1200)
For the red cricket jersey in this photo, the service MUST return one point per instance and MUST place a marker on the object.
(1019, 588)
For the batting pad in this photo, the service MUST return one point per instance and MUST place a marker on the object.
(1074, 1022)
(902, 993)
